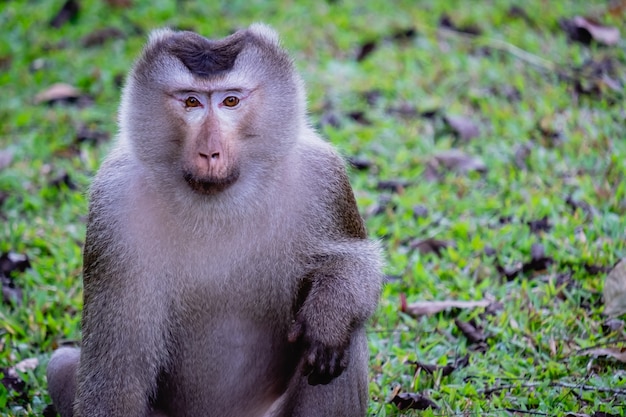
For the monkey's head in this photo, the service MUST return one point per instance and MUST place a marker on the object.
(214, 114)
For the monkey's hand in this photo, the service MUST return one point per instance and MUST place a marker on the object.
(322, 361)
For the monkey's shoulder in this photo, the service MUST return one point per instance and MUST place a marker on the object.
(116, 202)
(325, 178)
(113, 180)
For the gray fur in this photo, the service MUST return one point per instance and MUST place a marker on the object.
(246, 301)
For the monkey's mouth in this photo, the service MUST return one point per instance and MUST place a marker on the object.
(210, 186)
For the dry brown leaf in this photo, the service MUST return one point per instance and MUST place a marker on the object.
(26, 365)
(431, 245)
(100, 36)
(615, 290)
(413, 401)
(10, 294)
(6, 157)
(420, 211)
(365, 50)
(458, 161)
(68, 12)
(471, 331)
(613, 352)
(540, 225)
(606, 35)
(396, 186)
(463, 127)
(598, 77)
(612, 325)
(603, 414)
(517, 12)
(427, 308)
(11, 381)
(12, 261)
(445, 370)
(383, 204)
(584, 30)
(446, 22)
(58, 92)
(360, 164)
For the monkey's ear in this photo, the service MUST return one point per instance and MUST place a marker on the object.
(159, 35)
(265, 32)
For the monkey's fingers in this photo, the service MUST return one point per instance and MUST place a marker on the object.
(296, 331)
(323, 363)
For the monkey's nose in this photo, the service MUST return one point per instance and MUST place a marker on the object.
(209, 155)
(211, 162)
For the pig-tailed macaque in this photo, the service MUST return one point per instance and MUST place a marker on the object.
(227, 271)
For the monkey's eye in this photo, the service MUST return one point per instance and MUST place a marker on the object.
(192, 102)
(230, 101)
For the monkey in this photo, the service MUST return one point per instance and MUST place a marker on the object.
(226, 268)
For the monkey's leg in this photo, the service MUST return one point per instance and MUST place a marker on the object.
(61, 374)
(345, 396)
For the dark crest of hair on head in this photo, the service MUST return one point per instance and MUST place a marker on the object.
(204, 57)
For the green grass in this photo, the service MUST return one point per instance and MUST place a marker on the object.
(574, 146)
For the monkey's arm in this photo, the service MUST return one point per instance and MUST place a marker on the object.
(122, 349)
(342, 288)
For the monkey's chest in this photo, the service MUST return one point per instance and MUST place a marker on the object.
(239, 284)
(231, 302)
(234, 363)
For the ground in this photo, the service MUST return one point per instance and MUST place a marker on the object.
(488, 155)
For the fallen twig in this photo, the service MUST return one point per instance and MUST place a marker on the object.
(519, 53)
(504, 46)
(491, 390)
(535, 413)
(584, 351)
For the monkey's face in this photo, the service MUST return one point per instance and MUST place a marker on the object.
(212, 114)
(211, 124)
